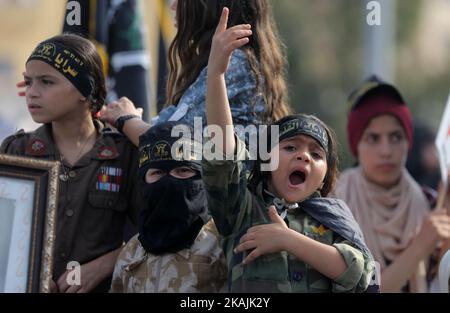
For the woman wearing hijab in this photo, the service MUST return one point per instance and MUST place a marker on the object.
(386, 201)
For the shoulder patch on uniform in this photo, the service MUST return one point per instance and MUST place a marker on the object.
(36, 147)
(106, 152)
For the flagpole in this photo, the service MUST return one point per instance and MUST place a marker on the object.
(379, 40)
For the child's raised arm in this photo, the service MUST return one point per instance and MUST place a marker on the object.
(224, 42)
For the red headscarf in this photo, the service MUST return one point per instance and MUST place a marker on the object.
(380, 103)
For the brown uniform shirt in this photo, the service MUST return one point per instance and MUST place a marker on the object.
(95, 195)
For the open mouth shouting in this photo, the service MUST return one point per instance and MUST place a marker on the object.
(297, 177)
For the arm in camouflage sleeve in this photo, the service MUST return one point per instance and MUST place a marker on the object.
(224, 180)
(118, 279)
(322, 257)
(360, 268)
(117, 283)
(123, 277)
(218, 111)
(226, 186)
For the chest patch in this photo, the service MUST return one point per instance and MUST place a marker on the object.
(321, 230)
(109, 179)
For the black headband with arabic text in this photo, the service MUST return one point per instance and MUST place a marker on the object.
(65, 61)
(306, 126)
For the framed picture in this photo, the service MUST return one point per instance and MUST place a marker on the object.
(28, 202)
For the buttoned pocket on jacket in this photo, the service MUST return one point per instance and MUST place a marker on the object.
(104, 217)
(107, 200)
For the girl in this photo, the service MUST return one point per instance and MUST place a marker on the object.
(390, 206)
(256, 84)
(65, 87)
(315, 245)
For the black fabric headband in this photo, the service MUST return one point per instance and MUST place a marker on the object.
(160, 151)
(305, 126)
(67, 62)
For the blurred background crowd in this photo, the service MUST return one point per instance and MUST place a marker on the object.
(330, 49)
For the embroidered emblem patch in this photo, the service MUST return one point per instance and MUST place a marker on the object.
(107, 152)
(161, 151)
(36, 147)
(109, 179)
(321, 230)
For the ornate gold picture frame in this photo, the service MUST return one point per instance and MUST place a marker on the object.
(28, 203)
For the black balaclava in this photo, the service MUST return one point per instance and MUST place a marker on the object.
(175, 209)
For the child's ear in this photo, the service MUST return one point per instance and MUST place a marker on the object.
(321, 185)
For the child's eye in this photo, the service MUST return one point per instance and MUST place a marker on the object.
(316, 155)
(28, 83)
(290, 148)
(183, 172)
(159, 172)
(47, 82)
(153, 175)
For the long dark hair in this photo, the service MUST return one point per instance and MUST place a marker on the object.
(329, 181)
(88, 54)
(189, 52)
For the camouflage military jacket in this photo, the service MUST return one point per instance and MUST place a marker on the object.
(202, 268)
(235, 209)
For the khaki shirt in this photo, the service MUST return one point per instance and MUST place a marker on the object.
(201, 268)
(95, 195)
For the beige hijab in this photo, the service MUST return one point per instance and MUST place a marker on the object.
(389, 219)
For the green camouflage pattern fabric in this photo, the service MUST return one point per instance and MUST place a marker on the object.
(202, 268)
(235, 209)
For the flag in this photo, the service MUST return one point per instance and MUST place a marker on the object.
(116, 29)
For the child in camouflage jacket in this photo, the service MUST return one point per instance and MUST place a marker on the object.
(279, 232)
